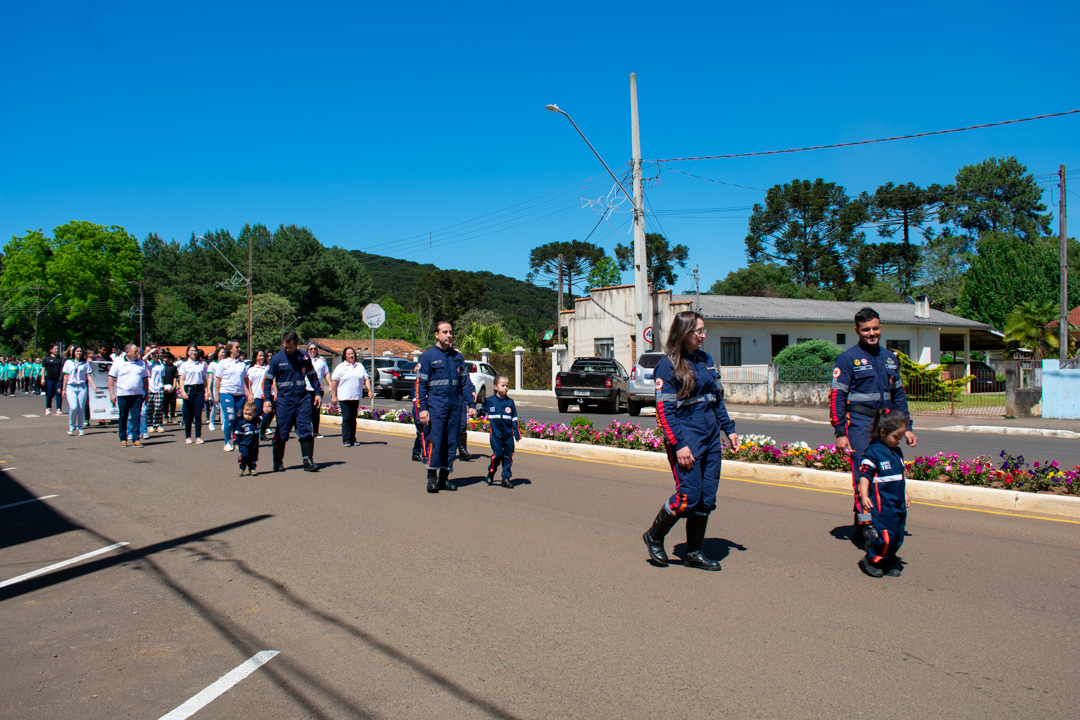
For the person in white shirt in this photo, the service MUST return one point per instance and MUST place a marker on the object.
(154, 409)
(128, 385)
(76, 377)
(192, 390)
(232, 389)
(346, 386)
(323, 372)
(213, 408)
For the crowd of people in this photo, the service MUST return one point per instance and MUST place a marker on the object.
(868, 408)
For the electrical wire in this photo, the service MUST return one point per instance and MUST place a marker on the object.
(869, 142)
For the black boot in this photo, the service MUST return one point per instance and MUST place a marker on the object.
(416, 457)
(307, 449)
(444, 480)
(654, 536)
(463, 446)
(279, 455)
(432, 481)
(695, 538)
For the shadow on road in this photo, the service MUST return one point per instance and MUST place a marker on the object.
(715, 548)
(29, 522)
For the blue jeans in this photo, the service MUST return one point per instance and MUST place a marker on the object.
(130, 407)
(52, 390)
(231, 407)
(77, 399)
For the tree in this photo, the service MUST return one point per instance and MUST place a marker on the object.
(944, 262)
(812, 227)
(399, 325)
(446, 294)
(268, 312)
(660, 260)
(903, 208)
(1007, 271)
(762, 279)
(578, 259)
(1031, 326)
(604, 274)
(473, 338)
(996, 196)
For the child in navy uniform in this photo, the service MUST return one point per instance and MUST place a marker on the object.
(502, 416)
(246, 439)
(883, 493)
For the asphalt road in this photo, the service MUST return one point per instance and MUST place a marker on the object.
(537, 602)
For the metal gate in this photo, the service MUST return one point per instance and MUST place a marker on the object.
(981, 398)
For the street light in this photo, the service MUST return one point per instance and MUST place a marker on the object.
(238, 279)
(642, 315)
(140, 283)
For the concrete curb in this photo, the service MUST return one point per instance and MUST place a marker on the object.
(926, 491)
(999, 430)
(775, 417)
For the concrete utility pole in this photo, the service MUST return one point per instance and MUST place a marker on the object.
(642, 315)
(558, 313)
(1063, 322)
(142, 344)
(250, 278)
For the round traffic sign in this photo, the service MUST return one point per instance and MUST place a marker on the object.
(648, 334)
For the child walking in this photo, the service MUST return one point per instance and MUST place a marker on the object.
(883, 492)
(502, 416)
(246, 439)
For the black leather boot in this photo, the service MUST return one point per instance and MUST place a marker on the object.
(307, 449)
(695, 538)
(279, 455)
(463, 446)
(432, 481)
(654, 536)
(444, 480)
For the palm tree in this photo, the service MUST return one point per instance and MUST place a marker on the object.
(481, 336)
(1027, 327)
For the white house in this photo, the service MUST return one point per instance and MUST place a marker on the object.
(751, 330)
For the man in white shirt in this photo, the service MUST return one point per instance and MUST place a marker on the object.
(128, 385)
(323, 372)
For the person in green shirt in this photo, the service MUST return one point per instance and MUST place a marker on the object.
(11, 374)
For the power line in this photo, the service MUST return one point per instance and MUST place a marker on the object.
(868, 142)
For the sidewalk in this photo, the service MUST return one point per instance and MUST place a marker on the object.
(945, 423)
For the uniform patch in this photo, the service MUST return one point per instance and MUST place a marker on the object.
(659, 384)
(836, 372)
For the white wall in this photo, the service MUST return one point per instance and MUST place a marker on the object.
(757, 338)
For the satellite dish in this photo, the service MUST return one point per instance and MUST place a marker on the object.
(909, 300)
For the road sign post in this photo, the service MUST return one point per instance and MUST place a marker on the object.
(374, 316)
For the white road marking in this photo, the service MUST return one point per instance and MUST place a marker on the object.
(4, 417)
(7, 469)
(59, 565)
(214, 691)
(23, 502)
(31, 416)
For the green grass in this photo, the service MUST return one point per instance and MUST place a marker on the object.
(961, 402)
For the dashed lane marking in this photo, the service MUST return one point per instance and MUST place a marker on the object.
(212, 692)
(57, 566)
(31, 416)
(4, 417)
(23, 502)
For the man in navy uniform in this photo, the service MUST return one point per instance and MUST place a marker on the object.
(289, 368)
(443, 388)
(865, 377)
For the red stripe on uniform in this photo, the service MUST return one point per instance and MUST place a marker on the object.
(662, 416)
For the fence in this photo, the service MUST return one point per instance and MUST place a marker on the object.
(978, 398)
(535, 369)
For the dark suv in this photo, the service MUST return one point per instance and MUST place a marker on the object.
(386, 369)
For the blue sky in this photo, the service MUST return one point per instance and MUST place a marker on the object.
(375, 124)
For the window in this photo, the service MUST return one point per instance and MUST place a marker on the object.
(605, 347)
(730, 351)
(488, 370)
(841, 339)
(802, 340)
(779, 342)
(903, 346)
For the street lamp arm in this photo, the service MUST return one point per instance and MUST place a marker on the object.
(211, 244)
(556, 109)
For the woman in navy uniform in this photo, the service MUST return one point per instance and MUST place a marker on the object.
(690, 411)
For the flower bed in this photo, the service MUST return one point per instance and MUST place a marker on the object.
(1013, 474)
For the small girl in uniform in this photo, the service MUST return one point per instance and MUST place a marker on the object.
(883, 492)
(503, 418)
(245, 438)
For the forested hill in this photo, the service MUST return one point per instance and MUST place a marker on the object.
(533, 306)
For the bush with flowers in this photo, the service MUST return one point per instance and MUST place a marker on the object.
(391, 415)
(1014, 473)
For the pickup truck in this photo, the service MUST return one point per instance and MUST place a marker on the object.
(592, 380)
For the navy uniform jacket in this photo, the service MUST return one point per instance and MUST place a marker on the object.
(503, 417)
(246, 437)
(442, 382)
(883, 467)
(680, 420)
(290, 372)
(867, 379)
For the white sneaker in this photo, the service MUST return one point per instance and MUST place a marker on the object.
(71, 431)
(227, 448)
(211, 426)
(320, 437)
(81, 433)
(160, 429)
(46, 411)
(145, 436)
(188, 441)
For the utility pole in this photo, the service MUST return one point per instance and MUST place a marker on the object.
(558, 314)
(1063, 321)
(250, 277)
(38, 310)
(142, 344)
(642, 315)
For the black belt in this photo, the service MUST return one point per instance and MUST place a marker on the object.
(861, 410)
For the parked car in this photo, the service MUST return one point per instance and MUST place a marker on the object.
(403, 381)
(385, 368)
(641, 388)
(985, 378)
(481, 374)
(592, 380)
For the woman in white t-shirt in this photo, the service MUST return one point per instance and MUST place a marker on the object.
(256, 371)
(346, 384)
(76, 377)
(231, 388)
(192, 390)
(213, 409)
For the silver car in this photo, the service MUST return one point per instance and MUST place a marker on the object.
(641, 388)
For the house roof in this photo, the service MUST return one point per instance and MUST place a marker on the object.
(788, 310)
(399, 348)
(1074, 318)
